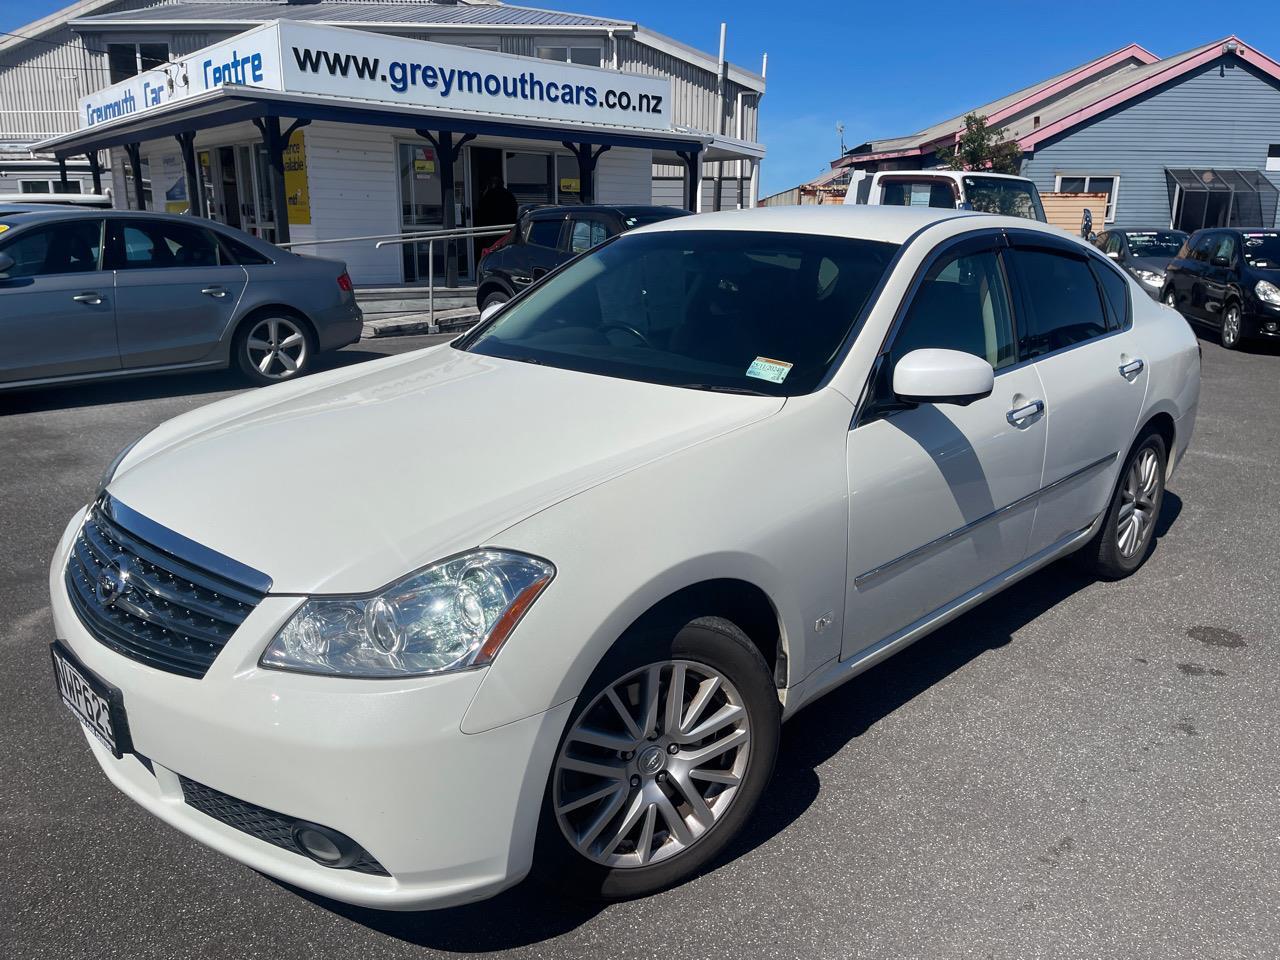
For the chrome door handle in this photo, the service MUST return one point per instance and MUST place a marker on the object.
(90, 298)
(1032, 409)
(215, 292)
(1131, 369)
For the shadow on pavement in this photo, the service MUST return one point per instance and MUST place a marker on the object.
(157, 386)
(531, 913)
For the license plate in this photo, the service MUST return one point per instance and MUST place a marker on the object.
(96, 704)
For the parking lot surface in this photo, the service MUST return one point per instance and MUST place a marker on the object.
(1076, 769)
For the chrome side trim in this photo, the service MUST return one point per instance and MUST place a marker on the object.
(919, 551)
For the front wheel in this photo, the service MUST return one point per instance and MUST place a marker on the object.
(1232, 333)
(664, 759)
(1170, 299)
(1128, 532)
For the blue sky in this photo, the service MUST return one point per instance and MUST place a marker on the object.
(885, 70)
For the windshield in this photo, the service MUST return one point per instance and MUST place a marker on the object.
(1262, 250)
(1156, 243)
(1012, 198)
(753, 312)
(633, 220)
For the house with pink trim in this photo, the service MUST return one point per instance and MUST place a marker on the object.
(1188, 141)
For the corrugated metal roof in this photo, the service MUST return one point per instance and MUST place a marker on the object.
(404, 12)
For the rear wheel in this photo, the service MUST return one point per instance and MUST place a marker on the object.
(663, 761)
(274, 347)
(1232, 332)
(494, 298)
(1128, 532)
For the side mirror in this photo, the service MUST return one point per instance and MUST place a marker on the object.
(6, 264)
(942, 376)
(489, 311)
(1220, 262)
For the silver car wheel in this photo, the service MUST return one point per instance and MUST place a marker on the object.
(1231, 326)
(277, 348)
(1137, 504)
(652, 764)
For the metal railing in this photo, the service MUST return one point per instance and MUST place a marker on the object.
(429, 238)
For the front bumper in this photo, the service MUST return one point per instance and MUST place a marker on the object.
(451, 816)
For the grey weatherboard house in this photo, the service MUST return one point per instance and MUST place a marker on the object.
(1188, 141)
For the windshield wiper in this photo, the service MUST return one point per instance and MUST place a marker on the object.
(721, 388)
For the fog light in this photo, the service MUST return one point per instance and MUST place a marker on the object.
(326, 847)
(1271, 328)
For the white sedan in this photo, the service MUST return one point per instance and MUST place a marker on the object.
(539, 599)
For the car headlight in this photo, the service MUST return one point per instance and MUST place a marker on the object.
(451, 615)
(109, 474)
(1268, 292)
(1150, 277)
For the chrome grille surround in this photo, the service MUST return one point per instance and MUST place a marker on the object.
(153, 595)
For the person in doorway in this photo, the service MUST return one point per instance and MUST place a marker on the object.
(497, 205)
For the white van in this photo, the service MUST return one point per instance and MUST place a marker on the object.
(60, 199)
(949, 189)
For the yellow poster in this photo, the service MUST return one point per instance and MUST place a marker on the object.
(425, 165)
(297, 192)
(570, 185)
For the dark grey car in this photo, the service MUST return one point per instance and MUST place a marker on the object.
(88, 294)
(1143, 253)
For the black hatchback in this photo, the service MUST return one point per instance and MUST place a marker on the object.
(1228, 279)
(545, 237)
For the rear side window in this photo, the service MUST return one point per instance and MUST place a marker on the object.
(586, 234)
(962, 305)
(1115, 290)
(159, 244)
(1063, 307)
(237, 251)
(57, 248)
(543, 233)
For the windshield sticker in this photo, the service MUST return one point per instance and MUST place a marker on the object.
(775, 371)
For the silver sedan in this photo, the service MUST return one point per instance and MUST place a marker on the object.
(87, 294)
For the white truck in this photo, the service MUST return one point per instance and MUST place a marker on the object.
(948, 189)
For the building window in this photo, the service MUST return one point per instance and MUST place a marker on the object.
(48, 186)
(1273, 157)
(127, 60)
(587, 56)
(1087, 183)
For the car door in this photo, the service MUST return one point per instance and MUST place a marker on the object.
(57, 304)
(941, 496)
(545, 245)
(1074, 325)
(1219, 274)
(176, 291)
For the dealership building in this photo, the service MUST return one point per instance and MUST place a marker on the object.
(319, 121)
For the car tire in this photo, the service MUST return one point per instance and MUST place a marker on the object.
(274, 347)
(494, 298)
(1231, 329)
(678, 797)
(1127, 536)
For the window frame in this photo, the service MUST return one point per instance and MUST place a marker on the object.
(15, 237)
(1059, 176)
(137, 46)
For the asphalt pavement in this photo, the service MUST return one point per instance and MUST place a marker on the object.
(1074, 770)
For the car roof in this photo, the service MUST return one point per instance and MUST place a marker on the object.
(891, 224)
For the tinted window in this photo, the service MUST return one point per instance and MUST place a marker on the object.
(150, 244)
(240, 252)
(1226, 247)
(962, 305)
(586, 234)
(1115, 290)
(1114, 244)
(542, 233)
(1062, 302)
(918, 193)
(58, 248)
(1013, 198)
(1203, 245)
(763, 312)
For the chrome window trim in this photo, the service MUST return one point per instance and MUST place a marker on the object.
(912, 554)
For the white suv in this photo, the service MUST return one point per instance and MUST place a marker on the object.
(949, 190)
(541, 597)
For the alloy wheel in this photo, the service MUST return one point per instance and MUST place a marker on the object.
(1137, 504)
(1231, 326)
(652, 764)
(277, 348)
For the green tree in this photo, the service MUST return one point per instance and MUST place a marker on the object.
(981, 148)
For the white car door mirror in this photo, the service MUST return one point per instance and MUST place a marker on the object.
(942, 376)
(6, 264)
(489, 311)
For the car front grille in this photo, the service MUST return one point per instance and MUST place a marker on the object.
(154, 596)
(274, 828)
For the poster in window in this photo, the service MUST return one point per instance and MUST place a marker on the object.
(424, 165)
(297, 191)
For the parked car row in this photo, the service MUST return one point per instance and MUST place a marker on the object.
(88, 294)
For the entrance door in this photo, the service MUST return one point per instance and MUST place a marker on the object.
(229, 202)
(422, 210)
(253, 191)
(530, 176)
(941, 496)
